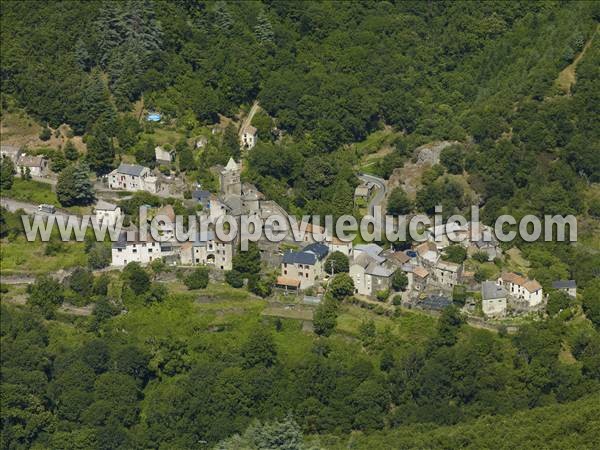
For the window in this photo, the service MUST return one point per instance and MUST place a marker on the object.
(285, 272)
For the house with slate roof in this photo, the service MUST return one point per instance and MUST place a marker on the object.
(305, 266)
(107, 212)
(493, 299)
(568, 286)
(133, 177)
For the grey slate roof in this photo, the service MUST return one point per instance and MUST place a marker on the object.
(132, 170)
(490, 290)
(436, 302)
(300, 258)
(564, 284)
(318, 249)
(201, 195)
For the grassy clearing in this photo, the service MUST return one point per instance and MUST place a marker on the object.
(32, 191)
(568, 76)
(515, 261)
(22, 257)
(16, 125)
(410, 326)
(164, 135)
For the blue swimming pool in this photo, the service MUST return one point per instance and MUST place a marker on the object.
(153, 117)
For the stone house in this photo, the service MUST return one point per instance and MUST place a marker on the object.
(427, 254)
(11, 152)
(248, 137)
(37, 165)
(125, 251)
(447, 274)
(163, 156)
(522, 288)
(493, 299)
(133, 177)
(107, 212)
(305, 266)
(208, 250)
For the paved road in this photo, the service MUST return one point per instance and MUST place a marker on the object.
(248, 120)
(379, 197)
(30, 208)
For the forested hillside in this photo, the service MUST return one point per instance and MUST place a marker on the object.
(329, 74)
(175, 369)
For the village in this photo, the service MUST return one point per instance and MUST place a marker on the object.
(419, 276)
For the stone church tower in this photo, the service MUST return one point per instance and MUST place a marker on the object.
(230, 179)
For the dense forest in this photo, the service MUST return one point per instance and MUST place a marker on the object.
(95, 383)
(327, 75)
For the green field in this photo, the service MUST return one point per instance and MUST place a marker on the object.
(32, 191)
(19, 256)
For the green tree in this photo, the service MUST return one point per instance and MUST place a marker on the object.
(58, 162)
(399, 280)
(336, 262)
(398, 202)
(341, 286)
(81, 281)
(99, 255)
(259, 349)
(247, 262)
(45, 294)
(448, 327)
(197, 279)
(100, 153)
(136, 277)
(234, 278)
(145, 153)
(70, 151)
(325, 317)
(231, 143)
(591, 302)
(45, 134)
(455, 253)
(7, 174)
(263, 29)
(453, 158)
(74, 186)
(558, 301)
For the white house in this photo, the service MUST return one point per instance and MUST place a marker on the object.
(493, 299)
(522, 288)
(448, 234)
(165, 222)
(36, 164)
(132, 177)
(248, 137)
(163, 156)
(427, 254)
(107, 212)
(11, 152)
(337, 245)
(568, 286)
(127, 250)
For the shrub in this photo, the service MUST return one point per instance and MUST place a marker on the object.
(197, 279)
(234, 278)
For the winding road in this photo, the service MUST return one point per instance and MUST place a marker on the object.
(378, 198)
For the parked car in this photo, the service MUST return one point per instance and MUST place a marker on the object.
(50, 209)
